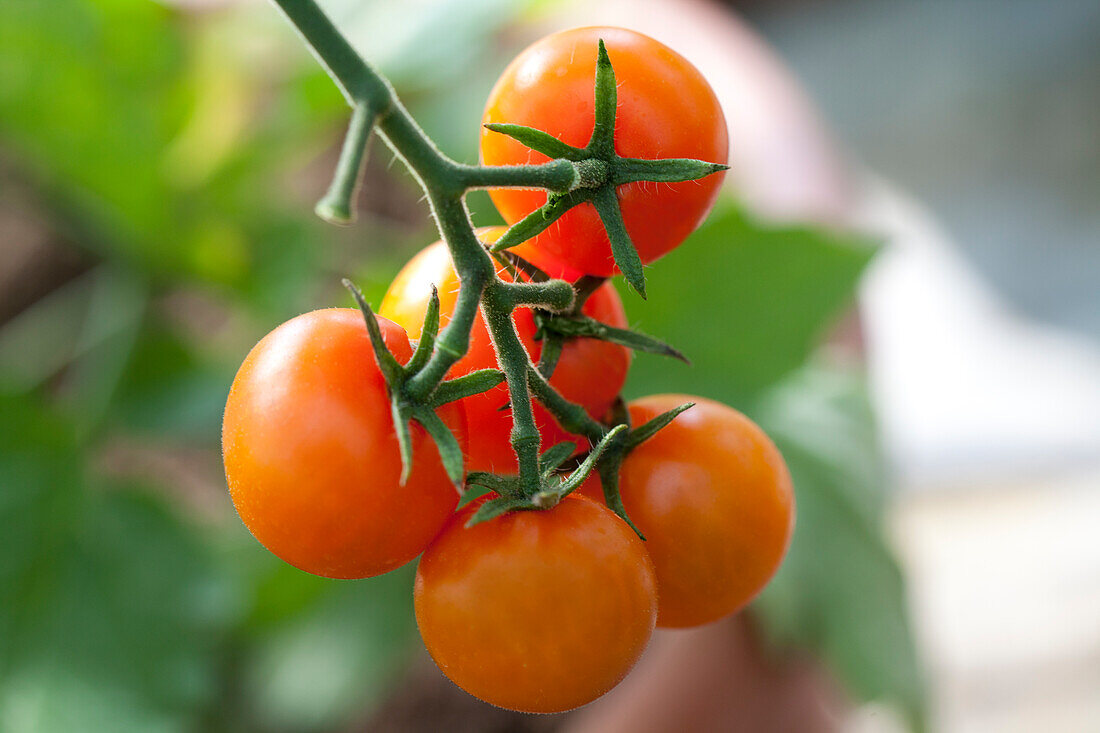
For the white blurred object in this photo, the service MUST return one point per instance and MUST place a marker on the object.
(964, 387)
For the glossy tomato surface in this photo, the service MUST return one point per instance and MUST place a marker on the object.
(589, 372)
(539, 611)
(713, 497)
(310, 454)
(666, 109)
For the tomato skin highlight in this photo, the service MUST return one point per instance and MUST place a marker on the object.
(714, 499)
(537, 611)
(310, 454)
(589, 372)
(666, 109)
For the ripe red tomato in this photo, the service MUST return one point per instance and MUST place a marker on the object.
(666, 109)
(713, 497)
(310, 454)
(539, 611)
(589, 372)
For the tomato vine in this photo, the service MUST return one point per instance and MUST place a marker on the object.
(575, 175)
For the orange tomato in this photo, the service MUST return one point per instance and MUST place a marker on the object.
(539, 611)
(666, 109)
(589, 372)
(310, 454)
(713, 497)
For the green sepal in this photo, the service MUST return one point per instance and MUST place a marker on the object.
(552, 346)
(647, 430)
(622, 248)
(585, 286)
(541, 218)
(387, 363)
(578, 476)
(609, 478)
(556, 455)
(428, 331)
(503, 485)
(585, 327)
(537, 140)
(450, 452)
(664, 170)
(497, 508)
(602, 142)
(473, 383)
(404, 439)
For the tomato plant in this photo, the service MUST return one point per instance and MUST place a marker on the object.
(666, 109)
(713, 497)
(589, 372)
(531, 597)
(537, 611)
(310, 454)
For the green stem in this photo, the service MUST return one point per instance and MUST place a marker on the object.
(338, 205)
(574, 418)
(557, 175)
(515, 363)
(446, 182)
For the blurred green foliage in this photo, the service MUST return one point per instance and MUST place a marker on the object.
(174, 155)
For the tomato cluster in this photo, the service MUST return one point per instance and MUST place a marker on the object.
(539, 610)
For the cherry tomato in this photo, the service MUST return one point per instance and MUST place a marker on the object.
(666, 109)
(589, 372)
(539, 611)
(713, 498)
(310, 454)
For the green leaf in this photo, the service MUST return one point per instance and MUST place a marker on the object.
(170, 387)
(622, 248)
(840, 590)
(111, 612)
(748, 301)
(537, 140)
(341, 652)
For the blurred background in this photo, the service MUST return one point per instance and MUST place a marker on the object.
(902, 285)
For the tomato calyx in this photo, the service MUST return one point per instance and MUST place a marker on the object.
(405, 408)
(598, 171)
(554, 329)
(553, 485)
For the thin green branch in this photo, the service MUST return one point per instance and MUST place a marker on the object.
(574, 177)
(557, 175)
(338, 204)
(552, 295)
(569, 415)
(516, 364)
